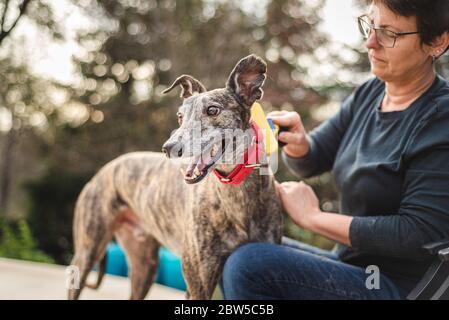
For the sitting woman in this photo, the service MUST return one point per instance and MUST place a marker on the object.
(388, 149)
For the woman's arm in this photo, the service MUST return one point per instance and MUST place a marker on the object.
(332, 226)
(423, 216)
(302, 205)
(322, 143)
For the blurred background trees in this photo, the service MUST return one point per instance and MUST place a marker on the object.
(25, 109)
(55, 136)
(138, 49)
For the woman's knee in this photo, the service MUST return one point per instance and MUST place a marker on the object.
(245, 265)
(242, 257)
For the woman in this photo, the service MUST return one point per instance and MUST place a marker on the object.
(388, 148)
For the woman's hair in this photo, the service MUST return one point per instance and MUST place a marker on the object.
(432, 16)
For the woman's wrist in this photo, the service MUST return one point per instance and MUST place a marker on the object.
(296, 152)
(330, 225)
(313, 221)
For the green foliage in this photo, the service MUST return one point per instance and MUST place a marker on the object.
(16, 242)
(147, 44)
(137, 49)
(291, 230)
(51, 211)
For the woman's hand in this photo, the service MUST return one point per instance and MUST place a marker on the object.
(296, 137)
(300, 203)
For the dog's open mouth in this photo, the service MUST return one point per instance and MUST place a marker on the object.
(202, 165)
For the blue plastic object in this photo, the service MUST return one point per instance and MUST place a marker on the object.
(116, 261)
(169, 271)
(271, 124)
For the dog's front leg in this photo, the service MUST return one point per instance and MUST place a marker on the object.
(201, 269)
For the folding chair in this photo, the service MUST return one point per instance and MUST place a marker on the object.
(435, 283)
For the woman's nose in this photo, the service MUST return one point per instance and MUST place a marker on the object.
(371, 42)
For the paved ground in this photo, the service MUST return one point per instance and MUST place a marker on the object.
(30, 281)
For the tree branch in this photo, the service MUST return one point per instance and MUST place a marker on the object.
(22, 9)
(2, 21)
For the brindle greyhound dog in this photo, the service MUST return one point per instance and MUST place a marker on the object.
(141, 199)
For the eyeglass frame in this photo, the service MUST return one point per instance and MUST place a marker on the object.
(396, 35)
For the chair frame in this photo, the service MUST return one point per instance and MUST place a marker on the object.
(435, 283)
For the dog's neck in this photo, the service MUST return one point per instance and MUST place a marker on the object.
(236, 172)
(237, 156)
(245, 201)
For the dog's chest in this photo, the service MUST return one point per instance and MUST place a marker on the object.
(235, 214)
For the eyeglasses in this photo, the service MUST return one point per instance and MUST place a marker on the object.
(385, 37)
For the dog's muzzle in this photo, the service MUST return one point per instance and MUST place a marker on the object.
(173, 150)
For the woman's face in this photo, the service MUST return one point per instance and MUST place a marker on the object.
(407, 58)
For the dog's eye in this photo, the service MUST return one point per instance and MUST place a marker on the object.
(179, 118)
(213, 111)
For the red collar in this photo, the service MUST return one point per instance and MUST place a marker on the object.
(250, 159)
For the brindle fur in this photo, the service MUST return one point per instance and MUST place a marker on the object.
(140, 198)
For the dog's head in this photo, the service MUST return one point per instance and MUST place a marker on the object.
(210, 122)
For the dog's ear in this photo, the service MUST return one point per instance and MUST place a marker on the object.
(247, 78)
(189, 86)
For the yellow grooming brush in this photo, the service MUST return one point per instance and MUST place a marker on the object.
(269, 129)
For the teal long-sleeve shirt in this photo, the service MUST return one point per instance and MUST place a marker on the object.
(392, 171)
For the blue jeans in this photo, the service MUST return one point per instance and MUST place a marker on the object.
(296, 271)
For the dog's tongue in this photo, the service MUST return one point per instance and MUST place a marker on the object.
(200, 163)
(205, 160)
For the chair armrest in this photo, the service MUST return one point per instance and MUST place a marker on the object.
(435, 247)
(435, 282)
(444, 254)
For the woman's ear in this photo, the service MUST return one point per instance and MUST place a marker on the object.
(440, 45)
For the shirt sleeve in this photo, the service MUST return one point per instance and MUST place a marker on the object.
(423, 216)
(324, 142)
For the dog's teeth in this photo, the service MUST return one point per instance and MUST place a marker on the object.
(197, 172)
(213, 152)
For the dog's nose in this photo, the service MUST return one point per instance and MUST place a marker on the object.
(172, 149)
